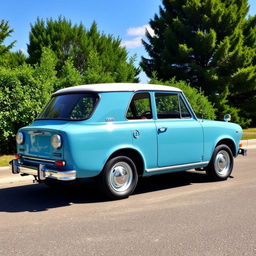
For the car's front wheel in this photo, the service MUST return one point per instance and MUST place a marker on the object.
(221, 164)
(119, 178)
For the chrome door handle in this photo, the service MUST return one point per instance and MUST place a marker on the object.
(162, 129)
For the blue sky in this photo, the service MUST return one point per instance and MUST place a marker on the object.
(121, 18)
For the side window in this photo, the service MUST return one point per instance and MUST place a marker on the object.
(140, 107)
(167, 105)
(183, 109)
(83, 108)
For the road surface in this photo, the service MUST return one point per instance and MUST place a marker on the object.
(174, 214)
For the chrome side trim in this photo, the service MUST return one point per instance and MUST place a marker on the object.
(172, 167)
(38, 159)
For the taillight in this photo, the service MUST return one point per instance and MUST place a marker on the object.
(60, 163)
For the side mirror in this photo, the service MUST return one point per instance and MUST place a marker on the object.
(227, 118)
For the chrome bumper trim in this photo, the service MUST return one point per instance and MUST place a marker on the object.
(42, 171)
(38, 159)
(181, 166)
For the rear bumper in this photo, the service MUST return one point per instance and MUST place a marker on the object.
(242, 151)
(42, 172)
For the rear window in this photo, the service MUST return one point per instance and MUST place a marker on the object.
(70, 107)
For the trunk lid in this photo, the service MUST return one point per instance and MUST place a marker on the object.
(38, 143)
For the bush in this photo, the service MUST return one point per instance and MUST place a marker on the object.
(23, 92)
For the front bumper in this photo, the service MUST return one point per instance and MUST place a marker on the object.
(42, 172)
(242, 151)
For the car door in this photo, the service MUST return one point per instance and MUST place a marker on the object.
(143, 129)
(179, 134)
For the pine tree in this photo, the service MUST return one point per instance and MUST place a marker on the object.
(5, 31)
(208, 43)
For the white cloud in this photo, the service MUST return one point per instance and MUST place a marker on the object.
(133, 43)
(137, 33)
(140, 31)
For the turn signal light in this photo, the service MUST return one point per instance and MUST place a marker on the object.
(17, 156)
(60, 163)
(240, 145)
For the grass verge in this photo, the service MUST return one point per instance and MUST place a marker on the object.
(5, 159)
(249, 134)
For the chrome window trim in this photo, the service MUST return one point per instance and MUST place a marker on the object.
(167, 168)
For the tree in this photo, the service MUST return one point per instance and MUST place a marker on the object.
(5, 31)
(7, 58)
(75, 42)
(69, 76)
(208, 43)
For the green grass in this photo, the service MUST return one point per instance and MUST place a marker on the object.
(249, 134)
(5, 159)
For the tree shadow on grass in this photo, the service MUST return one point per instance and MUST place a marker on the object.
(38, 197)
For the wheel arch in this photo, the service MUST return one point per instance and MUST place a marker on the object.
(133, 154)
(230, 143)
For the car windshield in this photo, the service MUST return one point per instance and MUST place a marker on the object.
(70, 107)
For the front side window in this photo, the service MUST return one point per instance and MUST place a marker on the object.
(170, 105)
(140, 107)
(70, 107)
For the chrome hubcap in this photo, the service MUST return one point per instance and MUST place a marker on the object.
(222, 163)
(121, 176)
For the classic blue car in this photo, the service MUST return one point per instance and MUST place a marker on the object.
(118, 132)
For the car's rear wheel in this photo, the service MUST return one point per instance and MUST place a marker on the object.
(221, 164)
(119, 178)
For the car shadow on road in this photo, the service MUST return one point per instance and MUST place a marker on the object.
(38, 197)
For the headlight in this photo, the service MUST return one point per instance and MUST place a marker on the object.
(19, 138)
(56, 141)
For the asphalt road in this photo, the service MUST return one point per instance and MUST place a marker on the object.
(174, 214)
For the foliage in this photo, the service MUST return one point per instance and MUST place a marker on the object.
(200, 104)
(12, 59)
(69, 76)
(23, 92)
(211, 45)
(86, 48)
(5, 31)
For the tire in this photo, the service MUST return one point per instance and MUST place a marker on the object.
(118, 178)
(221, 164)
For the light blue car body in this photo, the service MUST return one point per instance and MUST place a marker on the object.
(88, 144)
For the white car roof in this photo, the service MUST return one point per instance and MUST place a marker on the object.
(117, 87)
